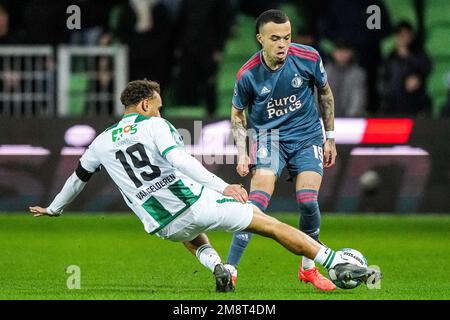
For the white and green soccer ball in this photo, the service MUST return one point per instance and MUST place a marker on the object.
(351, 256)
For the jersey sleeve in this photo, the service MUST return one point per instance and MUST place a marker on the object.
(191, 167)
(165, 136)
(89, 163)
(320, 74)
(89, 160)
(241, 94)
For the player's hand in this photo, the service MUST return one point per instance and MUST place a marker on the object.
(242, 167)
(329, 153)
(237, 192)
(39, 212)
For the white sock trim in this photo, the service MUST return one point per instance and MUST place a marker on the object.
(208, 256)
(323, 255)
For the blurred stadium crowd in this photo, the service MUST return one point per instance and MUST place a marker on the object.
(180, 44)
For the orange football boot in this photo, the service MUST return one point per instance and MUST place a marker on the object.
(319, 281)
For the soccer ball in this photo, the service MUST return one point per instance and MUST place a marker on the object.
(351, 256)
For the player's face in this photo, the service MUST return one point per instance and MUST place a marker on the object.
(275, 39)
(152, 107)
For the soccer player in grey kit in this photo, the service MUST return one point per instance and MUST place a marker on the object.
(277, 87)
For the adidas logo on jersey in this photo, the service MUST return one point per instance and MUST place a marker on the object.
(265, 90)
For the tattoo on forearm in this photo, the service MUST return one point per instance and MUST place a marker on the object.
(238, 127)
(326, 106)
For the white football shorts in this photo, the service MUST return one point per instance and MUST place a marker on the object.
(212, 212)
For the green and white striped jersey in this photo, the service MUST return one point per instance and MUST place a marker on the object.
(133, 153)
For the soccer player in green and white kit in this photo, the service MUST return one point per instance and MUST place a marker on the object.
(174, 196)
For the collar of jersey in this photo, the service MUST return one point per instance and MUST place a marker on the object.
(130, 115)
(263, 62)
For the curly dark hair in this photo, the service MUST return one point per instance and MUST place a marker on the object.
(137, 90)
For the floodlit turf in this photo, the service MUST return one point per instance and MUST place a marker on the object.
(118, 260)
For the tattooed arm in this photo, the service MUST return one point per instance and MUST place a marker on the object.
(239, 129)
(326, 106)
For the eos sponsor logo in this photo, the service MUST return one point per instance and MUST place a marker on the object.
(119, 133)
(279, 107)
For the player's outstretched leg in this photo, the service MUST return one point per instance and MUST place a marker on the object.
(301, 244)
(205, 253)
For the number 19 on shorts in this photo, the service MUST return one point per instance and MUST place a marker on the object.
(318, 153)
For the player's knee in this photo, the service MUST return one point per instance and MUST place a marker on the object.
(308, 181)
(264, 180)
(307, 202)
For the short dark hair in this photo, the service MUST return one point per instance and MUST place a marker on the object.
(138, 90)
(272, 15)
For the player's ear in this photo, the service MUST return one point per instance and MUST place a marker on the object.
(259, 38)
(144, 105)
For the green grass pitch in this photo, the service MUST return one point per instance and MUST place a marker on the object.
(118, 260)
